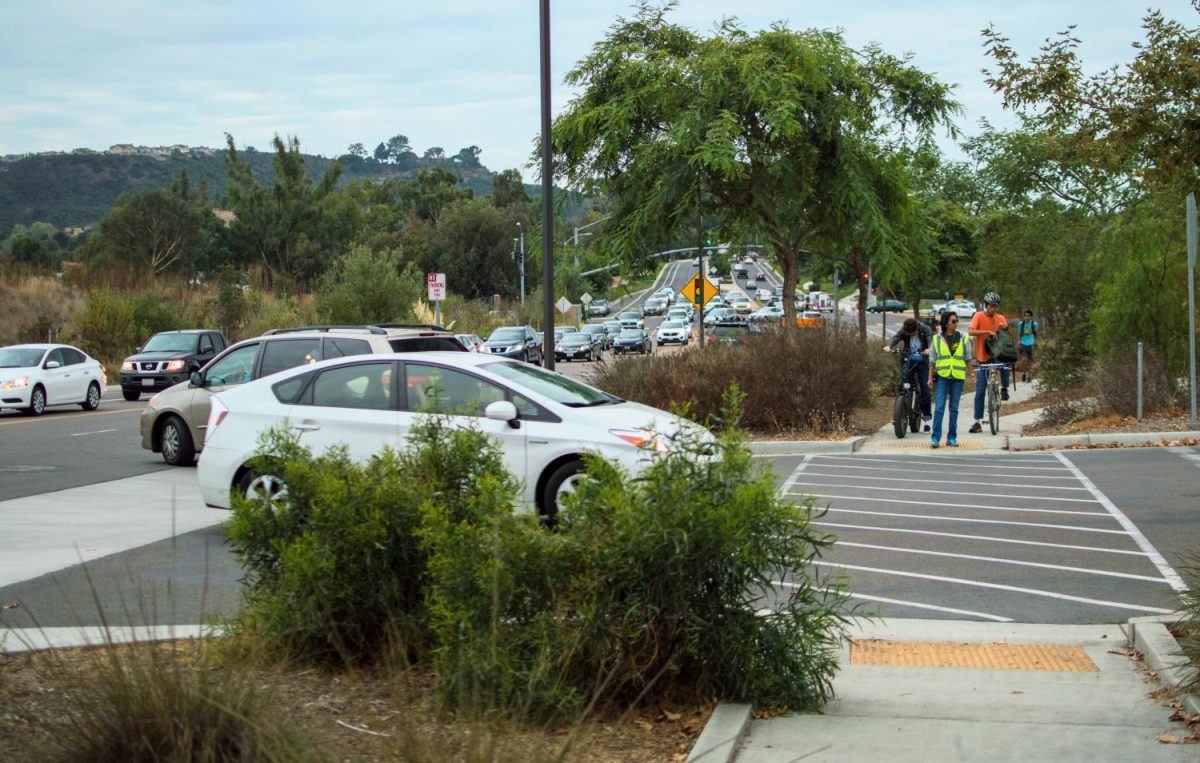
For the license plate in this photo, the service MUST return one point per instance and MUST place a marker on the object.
(147, 382)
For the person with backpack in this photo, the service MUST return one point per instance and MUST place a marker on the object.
(987, 326)
(1027, 329)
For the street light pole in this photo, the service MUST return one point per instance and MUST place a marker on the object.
(522, 232)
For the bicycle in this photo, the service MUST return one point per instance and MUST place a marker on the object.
(993, 393)
(906, 413)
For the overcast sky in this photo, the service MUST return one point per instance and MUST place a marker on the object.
(80, 73)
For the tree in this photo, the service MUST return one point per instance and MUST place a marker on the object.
(281, 225)
(774, 130)
(152, 230)
(357, 149)
(34, 246)
(472, 245)
(432, 192)
(435, 152)
(364, 287)
(468, 157)
(508, 189)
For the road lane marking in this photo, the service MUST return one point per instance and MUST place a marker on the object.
(952, 492)
(1171, 576)
(1000, 560)
(791, 481)
(1068, 512)
(978, 521)
(902, 602)
(946, 480)
(98, 431)
(973, 461)
(998, 587)
(1066, 476)
(43, 419)
(988, 538)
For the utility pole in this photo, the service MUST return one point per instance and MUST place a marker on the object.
(547, 190)
(1191, 255)
(522, 232)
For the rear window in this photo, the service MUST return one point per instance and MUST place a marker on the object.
(427, 344)
(730, 331)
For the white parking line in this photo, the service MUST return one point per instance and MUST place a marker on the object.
(962, 505)
(953, 492)
(987, 538)
(98, 431)
(1066, 476)
(945, 479)
(977, 521)
(1142, 541)
(1001, 560)
(943, 460)
(795, 475)
(998, 586)
(902, 602)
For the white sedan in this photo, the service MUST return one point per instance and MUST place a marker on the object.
(33, 376)
(673, 331)
(768, 313)
(544, 422)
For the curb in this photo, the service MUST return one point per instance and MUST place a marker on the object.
(1143, 439)
(1161, 652)
(718, 742)
(805, 447)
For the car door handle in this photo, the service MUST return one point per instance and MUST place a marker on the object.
(308, 426)
(540, 442)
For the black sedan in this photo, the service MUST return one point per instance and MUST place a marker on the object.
(633, 340)
(888, 306)
(576, 346)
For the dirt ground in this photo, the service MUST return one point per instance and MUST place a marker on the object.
(366, 717)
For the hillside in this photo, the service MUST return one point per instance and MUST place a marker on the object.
(78, 189)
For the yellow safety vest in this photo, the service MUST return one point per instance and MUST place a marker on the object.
(950, 365)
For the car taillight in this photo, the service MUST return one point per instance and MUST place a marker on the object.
(216, 415)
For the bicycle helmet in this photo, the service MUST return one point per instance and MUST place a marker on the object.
(991, 298)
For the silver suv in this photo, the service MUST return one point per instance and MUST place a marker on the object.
(174, 420)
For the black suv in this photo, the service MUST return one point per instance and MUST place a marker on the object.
(168, 358)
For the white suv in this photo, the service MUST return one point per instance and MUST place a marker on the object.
(173, 421)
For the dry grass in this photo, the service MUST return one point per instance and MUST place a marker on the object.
(348, 716)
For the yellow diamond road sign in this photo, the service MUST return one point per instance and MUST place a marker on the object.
(699, 290)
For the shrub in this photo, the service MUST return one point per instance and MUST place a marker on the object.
(1116, 382)
(37, 310)
(816, 378)
(369, 287)
(268, 312)
(106, 328)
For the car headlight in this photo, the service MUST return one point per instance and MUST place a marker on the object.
(176, 365)
(127, 365)
(17, 383)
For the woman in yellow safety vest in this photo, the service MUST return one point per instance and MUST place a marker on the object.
(947, 371)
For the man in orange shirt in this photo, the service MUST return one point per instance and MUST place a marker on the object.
(984, 326)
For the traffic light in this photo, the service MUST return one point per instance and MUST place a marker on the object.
(708, 242)
(866, 276)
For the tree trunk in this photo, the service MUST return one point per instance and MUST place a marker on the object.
(862, 311)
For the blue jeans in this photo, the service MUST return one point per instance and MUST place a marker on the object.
(922, 372)
(946, 389)
(981, 388)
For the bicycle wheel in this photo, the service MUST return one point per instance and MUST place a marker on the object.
(900, 415)
(993, 408)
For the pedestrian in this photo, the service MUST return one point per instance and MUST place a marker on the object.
(916, 337)
(947, 374)
(984, 325)
(1027, 329)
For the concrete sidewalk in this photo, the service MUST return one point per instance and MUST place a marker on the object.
(1081, 698)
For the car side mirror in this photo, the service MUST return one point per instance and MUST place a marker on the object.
(196, 379)
(503, 410)
(51, 364)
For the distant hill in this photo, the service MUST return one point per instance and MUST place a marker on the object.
(77, 189)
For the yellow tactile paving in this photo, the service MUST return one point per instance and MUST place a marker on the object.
(998, 656)
(923, 444)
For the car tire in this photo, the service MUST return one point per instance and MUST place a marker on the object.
(175, 443)
(37, 401)
(130, 394)
(258, 487)
(561, 481)
(92, 401)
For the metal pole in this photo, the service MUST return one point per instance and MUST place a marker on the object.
(521, 230)
(1139, 383)
(547, 192)
(1191, 243)
(837, 294)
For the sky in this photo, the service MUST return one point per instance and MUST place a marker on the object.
(82, 74)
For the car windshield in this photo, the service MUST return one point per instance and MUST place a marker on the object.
(630, 316)
(172, 343)
(577, 336)
(593, 328)
(20, 357)
(507, 335)
(672, 324)
(613, 325)
(560, 389)
(631, 334)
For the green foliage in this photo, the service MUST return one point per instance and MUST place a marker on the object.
(818, 376)
(106, 328)
(1189, 623)
(33, 246)
(36, 310)
(152, 231)
(367, 287)
(473, 245)
(268, 312)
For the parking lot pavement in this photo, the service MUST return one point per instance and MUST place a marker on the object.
(1024, 538)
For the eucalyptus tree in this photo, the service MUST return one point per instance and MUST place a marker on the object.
(771, 130)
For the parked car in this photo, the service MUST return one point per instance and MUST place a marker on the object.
(888, 306)
(519, 342)
(963, 307)
(599, 307)
(731, 332)
(575, 346)
(168, 358)
(34, 376)
(632, 340)
(631, 319)
(543, 422)
(599, 336)
(173, 421)
(673, 331)
(472, 342)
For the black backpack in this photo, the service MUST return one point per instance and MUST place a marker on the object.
(1002, 348)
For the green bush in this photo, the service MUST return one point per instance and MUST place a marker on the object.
(368, 287)
(816, 378)
(106, 328)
